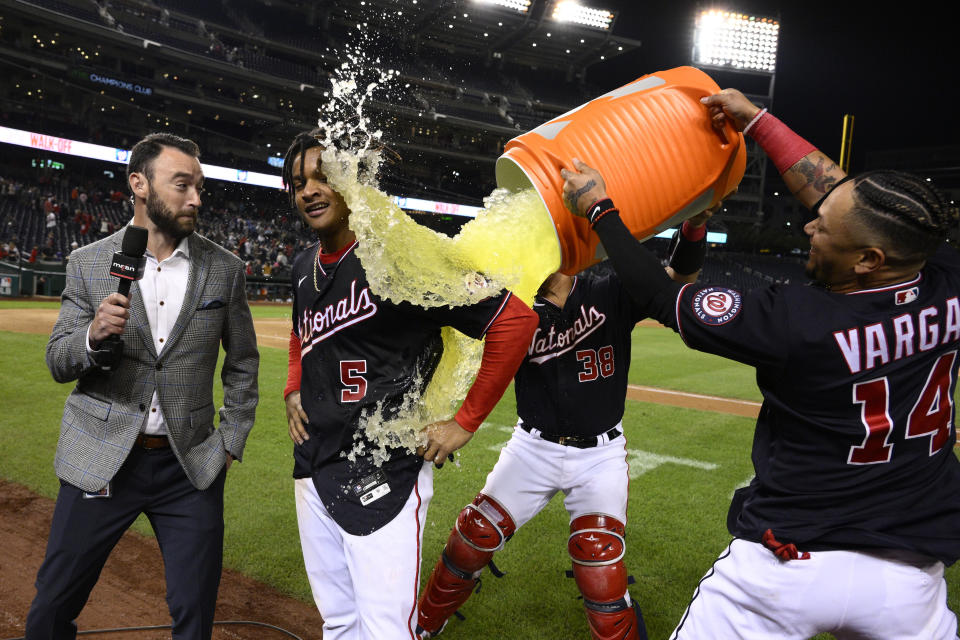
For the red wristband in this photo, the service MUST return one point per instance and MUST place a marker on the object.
(692, 233)
(782, 145)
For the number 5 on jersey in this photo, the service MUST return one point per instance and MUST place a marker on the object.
(355, 385)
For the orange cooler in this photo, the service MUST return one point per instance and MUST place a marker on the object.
(654, 145)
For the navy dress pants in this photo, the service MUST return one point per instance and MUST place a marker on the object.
(189, 527)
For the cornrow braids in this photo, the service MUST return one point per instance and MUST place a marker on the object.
(909, 214)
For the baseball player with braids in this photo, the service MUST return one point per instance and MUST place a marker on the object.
(570, 391)
(854, 509)
(354, 355)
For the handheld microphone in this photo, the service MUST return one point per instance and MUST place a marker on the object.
(128, 265)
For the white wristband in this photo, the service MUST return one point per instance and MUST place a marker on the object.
(754, 120)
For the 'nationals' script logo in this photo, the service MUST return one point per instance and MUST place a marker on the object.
(317, 326)
(550, 344)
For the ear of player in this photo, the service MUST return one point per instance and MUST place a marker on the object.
(596, 546)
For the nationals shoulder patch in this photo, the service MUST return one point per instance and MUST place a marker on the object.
(716, 305)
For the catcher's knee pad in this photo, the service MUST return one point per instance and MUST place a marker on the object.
(481, 529)
(597, 547)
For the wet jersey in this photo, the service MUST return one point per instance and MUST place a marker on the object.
(361, 354)
(854, 445)
(573, 380)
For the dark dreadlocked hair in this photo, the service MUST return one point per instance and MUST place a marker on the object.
(306, 140)
(909, 214)
(301, 143)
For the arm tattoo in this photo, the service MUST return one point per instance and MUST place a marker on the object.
(573, 198)
(817, 176)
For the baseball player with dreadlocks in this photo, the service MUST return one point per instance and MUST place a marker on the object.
(854, 509)
(570, 389)
(353, 354)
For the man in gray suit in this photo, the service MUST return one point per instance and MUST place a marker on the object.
(137, 434)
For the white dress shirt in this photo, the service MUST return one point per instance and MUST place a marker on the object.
(162, 288)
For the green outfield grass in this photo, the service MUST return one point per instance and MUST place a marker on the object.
(676, 518)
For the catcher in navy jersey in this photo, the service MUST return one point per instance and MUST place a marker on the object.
(854, 509)
(570, 391)
(354, 355)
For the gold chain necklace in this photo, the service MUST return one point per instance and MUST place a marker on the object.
(316, 267)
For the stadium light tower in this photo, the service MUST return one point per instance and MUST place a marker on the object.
(572, 11)
(734, 40)
(522, 6)
(730, 42)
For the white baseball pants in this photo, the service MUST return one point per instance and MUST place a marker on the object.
(531, 471)
(750, 594)
(364, 586)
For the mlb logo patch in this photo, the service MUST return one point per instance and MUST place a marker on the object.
(716, 305)
(906, 296)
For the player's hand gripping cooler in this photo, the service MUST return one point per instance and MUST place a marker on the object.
(661, 158)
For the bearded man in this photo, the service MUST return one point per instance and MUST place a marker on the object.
(138, 433)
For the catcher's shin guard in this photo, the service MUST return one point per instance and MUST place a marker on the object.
(597, 547)
(482, 528)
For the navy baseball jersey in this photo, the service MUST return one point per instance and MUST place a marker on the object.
(361, 354)
(854, 443)
(573, 380)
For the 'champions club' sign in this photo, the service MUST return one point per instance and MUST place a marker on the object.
(120, 84)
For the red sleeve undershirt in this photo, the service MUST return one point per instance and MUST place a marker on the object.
(506, 343)
(293, 366)
(784, 147)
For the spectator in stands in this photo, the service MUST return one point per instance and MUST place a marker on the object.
(13, 253)
(49, 247)
(51, 220)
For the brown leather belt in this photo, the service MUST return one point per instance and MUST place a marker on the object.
(152, 442)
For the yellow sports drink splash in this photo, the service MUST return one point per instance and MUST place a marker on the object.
(511, 244)
(662, 161)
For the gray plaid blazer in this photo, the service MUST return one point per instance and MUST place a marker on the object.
(107, 409)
